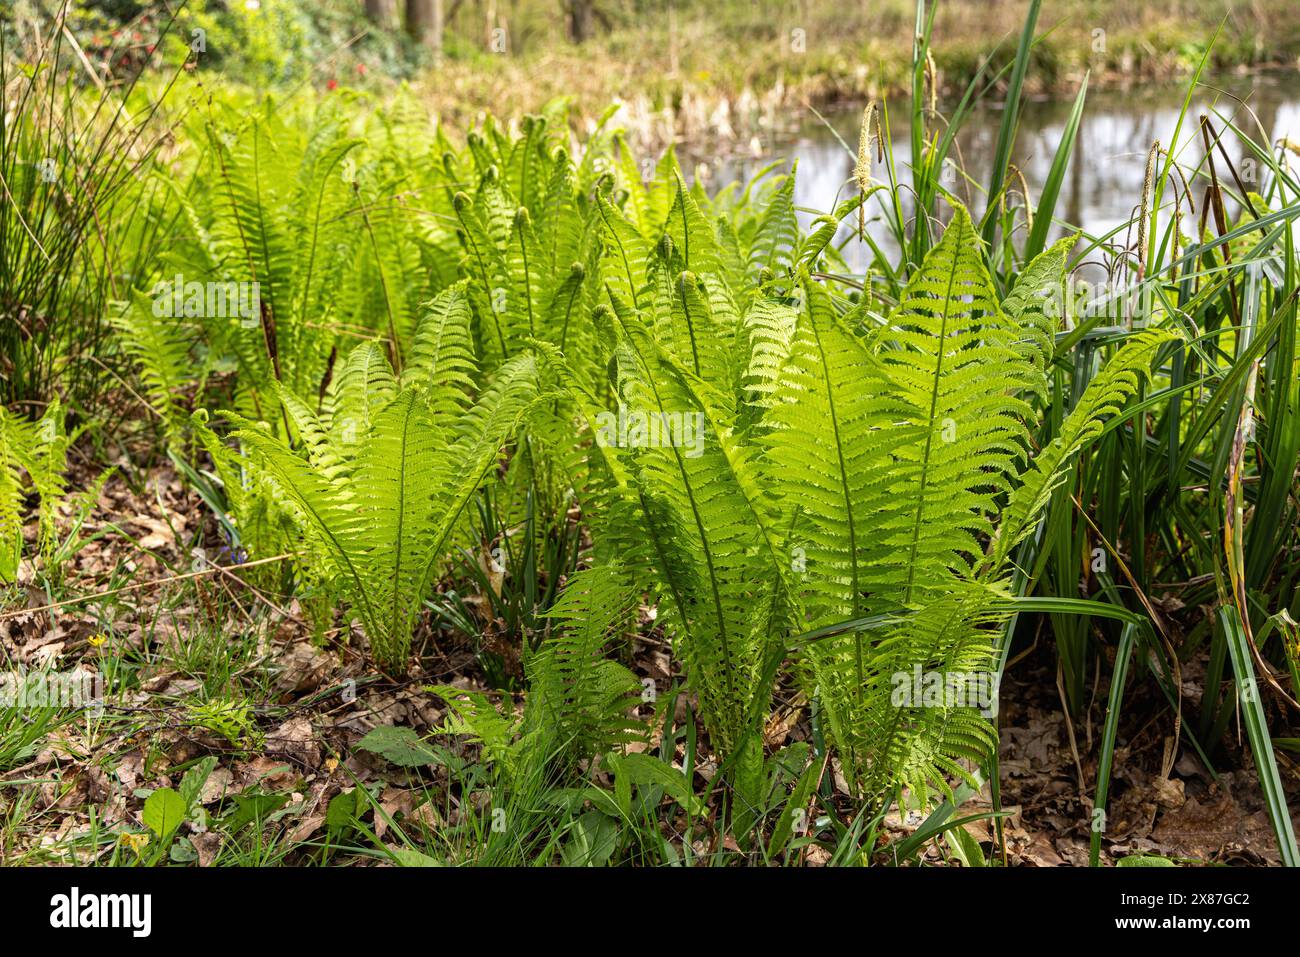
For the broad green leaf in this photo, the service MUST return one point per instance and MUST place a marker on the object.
(401, 746)
(164, 810)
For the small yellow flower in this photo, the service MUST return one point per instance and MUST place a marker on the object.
(98, 640)
(331, 764)
(136, 842)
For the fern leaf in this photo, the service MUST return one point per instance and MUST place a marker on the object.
(956, 369)
(778, 231)
(15, 443)
(1035, 303)
(160, 347)
(1105, 395)
(580, 696)
(442, 357)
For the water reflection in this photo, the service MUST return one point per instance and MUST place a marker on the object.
(1103, 183)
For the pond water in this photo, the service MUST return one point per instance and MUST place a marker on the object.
(1104, 182)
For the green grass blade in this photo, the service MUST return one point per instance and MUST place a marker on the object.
(1261, 744)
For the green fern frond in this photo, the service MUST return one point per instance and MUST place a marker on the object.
(160, 348)
(768, 330)
(442, 358)
(896, 735)
(777, 236)
(889, 453)
(1036, 304)
(692, 233)
(954, 364)
(360, 389)
(836, 431)
(16, 441)
(560, 223)
(495, 728)
(711, 530)
(486, 266)
(629, 253)
(578, 694)
(1118, 380)
(47, 468)
(382, 528)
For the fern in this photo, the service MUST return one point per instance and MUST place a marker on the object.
(319, 219)
(582, 697)
(891, 455)
(1105, 395)
(495, 728)
(382, 525)
(777, 235)
(835, 435)
(442, 356)
(160, 348)
(1036, 301)
(34, 457)
(255, 518)
(579, 701)
(713, 547)
(897, 742)
(955, 366)
(47, 466)
(15, 448)
(853, 461)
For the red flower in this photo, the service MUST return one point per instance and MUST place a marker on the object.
(331, 84)
(361, 69)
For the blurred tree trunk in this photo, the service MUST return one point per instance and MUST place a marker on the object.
(382, 13)
(424, 23)
(580, 20)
